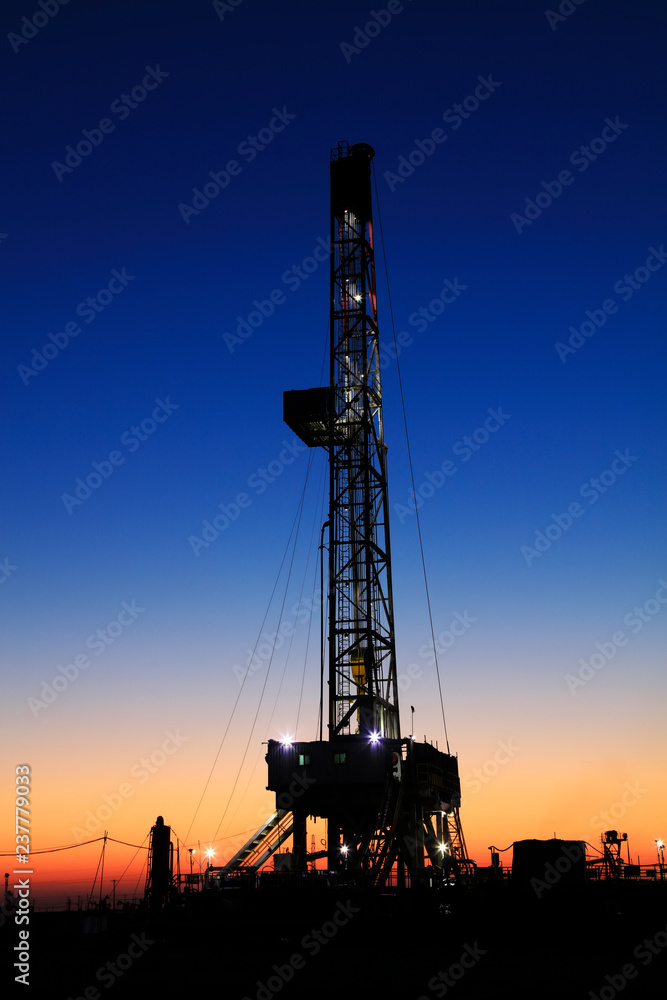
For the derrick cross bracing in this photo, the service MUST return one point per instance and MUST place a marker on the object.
(390, 803)
(362, 655)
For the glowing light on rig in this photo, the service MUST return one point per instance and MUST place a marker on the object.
(444, 848)
(375, 738)
(344, 849)
(286, 741)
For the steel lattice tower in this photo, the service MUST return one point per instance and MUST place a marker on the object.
(362, 656)
(389, 802)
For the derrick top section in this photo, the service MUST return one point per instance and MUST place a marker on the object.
(350, 186)
(344, 150)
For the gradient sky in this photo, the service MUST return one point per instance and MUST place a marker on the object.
(164, 337)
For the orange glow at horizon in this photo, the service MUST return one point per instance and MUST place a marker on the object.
(506, 796)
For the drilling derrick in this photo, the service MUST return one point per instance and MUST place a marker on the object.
(390, 803)
(362, 656)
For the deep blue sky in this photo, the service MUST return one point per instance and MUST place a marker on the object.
(161, 337)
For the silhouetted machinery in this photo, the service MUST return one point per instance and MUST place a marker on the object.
(612, 861)
(542, 864)
(160, 867)
(390, 803)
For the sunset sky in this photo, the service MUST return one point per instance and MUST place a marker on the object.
(153, 316)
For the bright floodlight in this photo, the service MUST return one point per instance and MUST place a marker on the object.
(659, 844)
(210, 852)
(344, 849)
(443, 848)
(286, 741)
(375, 737)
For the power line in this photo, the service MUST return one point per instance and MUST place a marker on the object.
(71, 847)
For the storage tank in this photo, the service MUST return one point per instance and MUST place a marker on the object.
(542, 864)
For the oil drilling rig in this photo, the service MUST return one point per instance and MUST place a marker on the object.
(391, 804)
